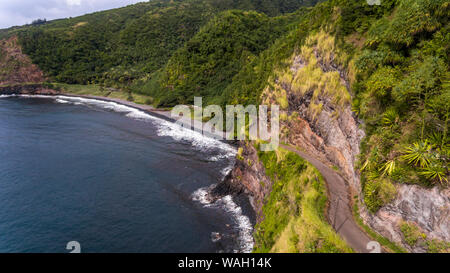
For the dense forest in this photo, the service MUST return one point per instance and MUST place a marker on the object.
(117, 46)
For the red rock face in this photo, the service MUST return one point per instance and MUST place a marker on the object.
(248, 177)
(16, 67)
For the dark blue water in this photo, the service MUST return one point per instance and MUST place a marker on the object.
(90, 172)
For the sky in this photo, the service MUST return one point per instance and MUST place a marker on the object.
(20, 12)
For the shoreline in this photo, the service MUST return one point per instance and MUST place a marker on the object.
(37, 89)
(162, 114)
(241, 202)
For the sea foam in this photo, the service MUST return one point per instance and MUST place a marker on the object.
(178, 133)
(241, 221)
(164, 128)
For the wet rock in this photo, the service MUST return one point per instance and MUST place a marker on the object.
(248, 177)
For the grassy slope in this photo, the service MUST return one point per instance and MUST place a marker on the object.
(294, 212)
(97, 90)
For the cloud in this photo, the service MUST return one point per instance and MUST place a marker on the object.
(20, 12)
(73, 2)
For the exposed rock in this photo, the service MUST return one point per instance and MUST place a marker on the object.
(248, 177)
(428, 209)
(16, 67)
(30, 89)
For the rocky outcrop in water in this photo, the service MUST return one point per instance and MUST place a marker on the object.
(247, 177)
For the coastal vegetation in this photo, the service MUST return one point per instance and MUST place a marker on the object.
(294, 212)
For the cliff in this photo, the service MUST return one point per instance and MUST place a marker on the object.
(314, 121)
(247, 177)
(15, 66)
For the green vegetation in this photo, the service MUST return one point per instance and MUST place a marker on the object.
(403, 96)
(411, 233)
(436, 246)
(393, 247)
(117, 47)
(413, 237)
(378, 192)
(97, 90)
(394, 58)
(294, 218)
(206, 64)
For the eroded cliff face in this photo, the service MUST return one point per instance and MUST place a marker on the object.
(428, 209)
(247, 177)
(16, 67)
(317, 118)
(27, 89)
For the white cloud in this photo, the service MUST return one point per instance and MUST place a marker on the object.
(73, 2)
(20, 12)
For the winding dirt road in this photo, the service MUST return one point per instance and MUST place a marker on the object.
(340, 211)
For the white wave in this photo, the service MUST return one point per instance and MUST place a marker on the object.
(226, 171)
(7, 96)
(215, 237)
(140, 115)
(109, 105)
(165, 128)
(202, 196)
(242, 222)
(62, 101)
(27, 96)
(222, 156)
(178, 133)
(35, 96)
(198, 140)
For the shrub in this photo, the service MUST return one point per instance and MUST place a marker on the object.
(378, 192)
(411, 233)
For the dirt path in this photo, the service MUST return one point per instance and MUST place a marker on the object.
(339, 212)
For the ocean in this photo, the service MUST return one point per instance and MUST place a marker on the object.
(113, 179)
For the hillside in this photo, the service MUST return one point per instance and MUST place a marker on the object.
(117, 46)
(207, 63)
(16, 67)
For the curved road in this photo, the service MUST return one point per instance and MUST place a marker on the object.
(340, 211)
